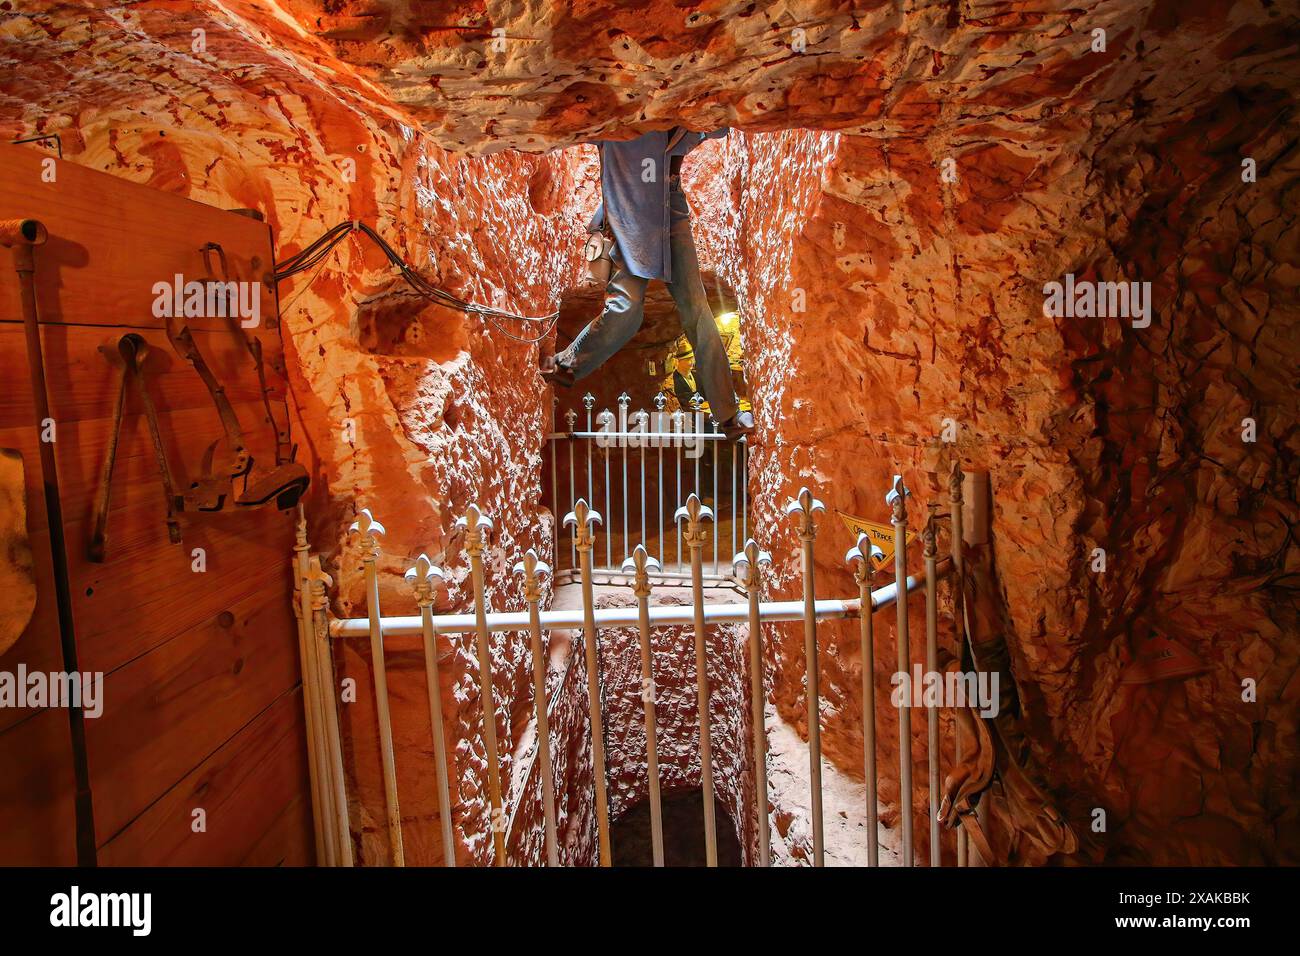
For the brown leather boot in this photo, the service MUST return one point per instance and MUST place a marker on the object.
(553, 373)
(738, 425)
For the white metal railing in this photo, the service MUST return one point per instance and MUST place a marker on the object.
(638, 468)
(642, 570)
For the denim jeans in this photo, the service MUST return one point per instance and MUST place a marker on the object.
(625, 310)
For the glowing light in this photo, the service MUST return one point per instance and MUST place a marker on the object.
(728, 320)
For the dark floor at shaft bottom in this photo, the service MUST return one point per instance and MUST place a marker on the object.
(683, 816)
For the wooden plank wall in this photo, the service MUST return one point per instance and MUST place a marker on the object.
(202, 696)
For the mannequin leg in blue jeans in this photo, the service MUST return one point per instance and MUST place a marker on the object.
(712, 367)
(613, 328)
(624, 312)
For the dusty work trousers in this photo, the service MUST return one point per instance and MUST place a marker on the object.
(624, 312)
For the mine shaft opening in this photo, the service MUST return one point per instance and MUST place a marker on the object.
(632, 841)
(637, 486)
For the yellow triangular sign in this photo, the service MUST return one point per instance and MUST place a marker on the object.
(881, 535)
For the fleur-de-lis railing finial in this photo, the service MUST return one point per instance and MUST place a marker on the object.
(624, 400)
(582, 517)
(589, 401)
(677, 417)
(475, 524)
(660, 401)
(367, 527)
(929, 536)
(571, 419)
(300, 547)
(640, 564)
(533, 569)
(897, 499)
(696, 513)
(697, 402)
(748, 564)
(860, 558)
(424, 576)
(300, 531)
(318, 579)
(805, 506)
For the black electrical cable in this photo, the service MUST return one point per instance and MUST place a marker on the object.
(319, 249)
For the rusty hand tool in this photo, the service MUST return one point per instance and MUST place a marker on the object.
(283, 451)
(98, 536)
(284, 483)
(209, 491)
(130, 351)
(22, 236)
(141, 353)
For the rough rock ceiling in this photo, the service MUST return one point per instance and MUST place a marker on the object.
(486, 75)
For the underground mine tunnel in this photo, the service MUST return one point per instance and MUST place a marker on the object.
(324, 547)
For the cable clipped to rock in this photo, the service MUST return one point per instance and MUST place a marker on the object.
(317, 252)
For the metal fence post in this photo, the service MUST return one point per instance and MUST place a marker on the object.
(533, 570)
(931, 553)
(475, 525)
(897, 499)
(322, 796)
(318, 580)
(582, 518)
(959, 615)
(861, 557)
(695, 514)
(747, 566)
(367, 527)
(804, 508)
(640, 564)
(422, 578)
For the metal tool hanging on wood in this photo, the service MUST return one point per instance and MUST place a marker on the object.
(131, 350)
(22, 236)
(227, 460)
(284, 452)
(285, 483)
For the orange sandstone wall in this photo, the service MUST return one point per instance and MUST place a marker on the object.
(410, 410)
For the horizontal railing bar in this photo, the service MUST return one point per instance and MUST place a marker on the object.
(669, 615)
(667, 577)
(703, 436)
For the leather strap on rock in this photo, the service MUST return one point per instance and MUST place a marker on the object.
(995, 768)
